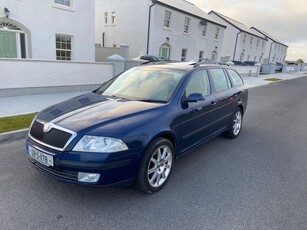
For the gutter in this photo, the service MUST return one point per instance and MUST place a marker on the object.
(149, 21)
(234, 53)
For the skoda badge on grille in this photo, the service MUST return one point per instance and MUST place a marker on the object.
(47, 127)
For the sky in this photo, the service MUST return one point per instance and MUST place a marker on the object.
(286, 20)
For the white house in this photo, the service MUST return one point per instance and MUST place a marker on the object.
(276, 51)
(240, 42)
(175, 29)
(47, 30)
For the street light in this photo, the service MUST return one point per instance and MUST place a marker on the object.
(7, 12)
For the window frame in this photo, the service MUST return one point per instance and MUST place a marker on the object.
(186, 26)
(229, 85)
(167, 20)
(106, 18)
(217, 32)
(204, 31)
(60, 5)
(234, 83)
(185, 52)
(113, 18)
(66, 58)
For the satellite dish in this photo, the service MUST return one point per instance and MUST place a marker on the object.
(203, 22)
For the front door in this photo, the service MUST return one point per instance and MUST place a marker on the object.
(8, 45)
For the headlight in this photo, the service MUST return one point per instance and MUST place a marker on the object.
(100, 144)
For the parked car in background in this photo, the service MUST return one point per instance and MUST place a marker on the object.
(149, 58)
(250, 63)
(236, 62)
(133, 127)
(278, 67)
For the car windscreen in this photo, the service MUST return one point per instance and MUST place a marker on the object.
(150, 84)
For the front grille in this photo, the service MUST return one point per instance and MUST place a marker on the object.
(55, 137)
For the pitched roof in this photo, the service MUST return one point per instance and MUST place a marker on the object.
(189, 8)
(269, 36)
(240, 26)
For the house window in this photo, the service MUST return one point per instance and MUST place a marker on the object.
(113, 18)
(106, 18)
(255, 58)
(244, 38)
(204, 28)
(217, 33)
(186, 24)
(201, 55)
(262, 44)
(248, 57)
(214, 56)
(165, 51)
(251, 41)
(63, 47)
(258, 42)
(63, 2)
(184, 54)
(167, 19)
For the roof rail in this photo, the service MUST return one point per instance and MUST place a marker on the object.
(210, 64)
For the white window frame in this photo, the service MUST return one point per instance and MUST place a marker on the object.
(216, 35)
(113, 18)
(186, 27)
(184, 54)
(61, 4)
(167, 19)
(204, 31)
(106, 18)
(64, 49)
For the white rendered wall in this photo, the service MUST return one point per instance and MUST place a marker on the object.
(130, 27)
(43, 19)
(36, 73)
(193, 41)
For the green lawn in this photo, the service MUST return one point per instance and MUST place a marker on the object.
(12, 123)
(272, 79)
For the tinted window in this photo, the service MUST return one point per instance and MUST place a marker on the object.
(235, 77)
(199, 83)
(220, 80)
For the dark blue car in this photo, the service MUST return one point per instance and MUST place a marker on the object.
(134, 126)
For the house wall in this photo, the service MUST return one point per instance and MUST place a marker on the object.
(130, 27)
(36, 76)
(193, 41)
(43, 19)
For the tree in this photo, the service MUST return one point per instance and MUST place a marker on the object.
(300, 60)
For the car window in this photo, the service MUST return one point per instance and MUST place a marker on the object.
(139, 83)
(220, 80)
(199, 83)
(235, 77)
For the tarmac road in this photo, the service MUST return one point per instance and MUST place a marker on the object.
(257, 181)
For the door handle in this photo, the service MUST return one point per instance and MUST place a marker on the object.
(213, 103)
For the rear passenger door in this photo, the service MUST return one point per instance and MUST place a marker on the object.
(225, 95)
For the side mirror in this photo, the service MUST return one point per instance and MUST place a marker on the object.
(194, 97)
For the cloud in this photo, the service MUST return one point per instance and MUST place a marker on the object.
(283, 19)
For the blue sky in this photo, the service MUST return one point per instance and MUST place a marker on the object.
(286, 20)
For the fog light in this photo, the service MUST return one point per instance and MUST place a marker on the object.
(88, 177)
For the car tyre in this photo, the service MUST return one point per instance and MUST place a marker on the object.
(156, 166)
(236, 125)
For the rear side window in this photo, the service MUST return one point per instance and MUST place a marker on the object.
(235, 77)
(220, 80)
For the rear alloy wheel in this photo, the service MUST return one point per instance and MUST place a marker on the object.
(236, 125)
(156, 166)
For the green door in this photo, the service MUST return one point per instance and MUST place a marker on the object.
(8, 45)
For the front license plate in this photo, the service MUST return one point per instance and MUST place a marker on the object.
(42, 158)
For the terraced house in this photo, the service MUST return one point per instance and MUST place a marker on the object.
(47, 30)
(240, 42)
(174, 29)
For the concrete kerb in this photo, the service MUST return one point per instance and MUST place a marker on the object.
(14, 135)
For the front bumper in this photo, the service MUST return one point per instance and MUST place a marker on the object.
(113, 168)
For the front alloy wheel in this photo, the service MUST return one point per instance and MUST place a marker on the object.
(156, 166)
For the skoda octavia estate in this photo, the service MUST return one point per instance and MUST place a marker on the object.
(134, 126)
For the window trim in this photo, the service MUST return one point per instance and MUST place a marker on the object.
(186, 26)
(64, 7)
(167, 19)
(71, 47)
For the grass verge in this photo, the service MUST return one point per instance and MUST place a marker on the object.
(13, 123)
(272, 79)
